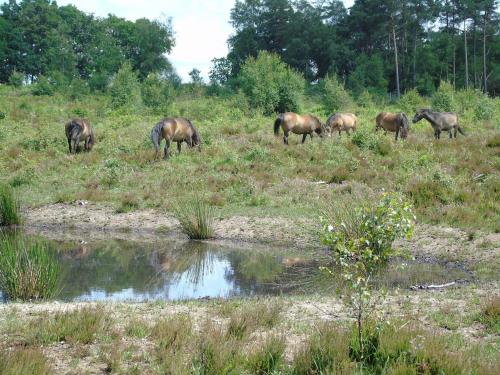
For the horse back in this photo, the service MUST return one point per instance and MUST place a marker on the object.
(79, 125)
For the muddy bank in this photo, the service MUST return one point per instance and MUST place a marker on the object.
(81, 220)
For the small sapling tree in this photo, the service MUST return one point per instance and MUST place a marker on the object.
(361, 243)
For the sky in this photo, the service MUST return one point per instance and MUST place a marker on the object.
(201, 26)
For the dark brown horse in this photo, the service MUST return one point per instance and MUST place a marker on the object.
(177, 130)
(297, 124)
(393, 122)
(78, 130)
(440, 121)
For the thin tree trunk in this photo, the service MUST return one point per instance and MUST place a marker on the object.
(474, 60)
(466, 62)
(415, 61)
(485, 77)
(396, 60)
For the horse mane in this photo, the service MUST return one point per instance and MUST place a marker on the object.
(196, 134)
(156, 134)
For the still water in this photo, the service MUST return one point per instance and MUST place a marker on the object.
(119, 270)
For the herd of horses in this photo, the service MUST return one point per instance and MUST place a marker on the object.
(181, 130)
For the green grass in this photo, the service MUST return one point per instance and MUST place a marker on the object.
(196, 218)
(79, 326)
(490, 315)
(9, 207)
(29, 269)
(243, 169)
(22, 361)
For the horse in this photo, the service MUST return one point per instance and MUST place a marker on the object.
(176, 129)
(78, 130)
(393, 122)
(298, 124)
(440, 121)
(342, 122)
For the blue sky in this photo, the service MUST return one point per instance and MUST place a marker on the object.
(201, 26)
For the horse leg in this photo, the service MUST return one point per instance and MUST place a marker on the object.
(311, 135)
(179, 146)
(285, 137)
(87, 141)
(69, 144)
(76, 144)
(449, 134)
(304, 136)
(454, 132)
(397, 134)
(165, 150)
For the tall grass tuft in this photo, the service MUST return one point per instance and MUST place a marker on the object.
(23, 362)
(28, 269)
(197, 219)
(9, 207)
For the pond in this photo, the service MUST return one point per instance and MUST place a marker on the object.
(120, 270)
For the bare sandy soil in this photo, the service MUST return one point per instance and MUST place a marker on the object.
(81, 220)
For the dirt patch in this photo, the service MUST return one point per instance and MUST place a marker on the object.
(70, 221)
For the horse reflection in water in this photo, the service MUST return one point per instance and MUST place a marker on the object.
(193, 261)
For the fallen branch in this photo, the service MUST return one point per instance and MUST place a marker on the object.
(439, 286)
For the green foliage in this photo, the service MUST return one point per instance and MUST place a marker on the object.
(29, 270)
(270, 84)
(360, 240)
(42, 87)
(368, 75)
(196, 218)
(490, 315)
(16, 79)
(125, 89)
(157, 93)
(411, 101)
(335, 96)
(9, 207)
(196, 78)
(269, 359)
(484, 109)
(2, 115)
(443, 99)
(367, 140)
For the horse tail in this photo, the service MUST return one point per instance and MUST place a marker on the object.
(278, 122)
(156, 135)
(404, 125)
(73, 129)
(460, 130)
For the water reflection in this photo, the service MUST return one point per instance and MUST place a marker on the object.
(125, 270)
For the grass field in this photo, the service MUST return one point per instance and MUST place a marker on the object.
(243, 168)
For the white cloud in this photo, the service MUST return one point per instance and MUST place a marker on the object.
(201, 26)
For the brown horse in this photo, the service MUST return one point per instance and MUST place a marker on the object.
(79, 130)
(342, 122)
(393, 122)
(298, 124)
(440, 121)
(177, 130)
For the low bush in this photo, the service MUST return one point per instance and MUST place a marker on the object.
(443, 99)
(29, 270)
(9, 207)
(196, 218)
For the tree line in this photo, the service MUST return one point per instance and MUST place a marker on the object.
(379, 45)
(39, 38)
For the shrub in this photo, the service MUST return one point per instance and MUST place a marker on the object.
(196, 218)
(411, 101)
(443, 99)
(9, 207)
(42, 87)
(484, 108)
(490, 315)
(360, 240)
(157, 93)
(125, 89)
(269, 359)
(16, 79)
(335, 96)
(365, 99)
(2, 115)
(270, 84)
(29, 270)
(78, 88)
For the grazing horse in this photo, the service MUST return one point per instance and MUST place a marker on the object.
(342, 122)
(393, 122)
(292, 122)
(79, 130)
(177, 130)
(440, 121)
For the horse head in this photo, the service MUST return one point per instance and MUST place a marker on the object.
(320, 127)
(419, 115)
